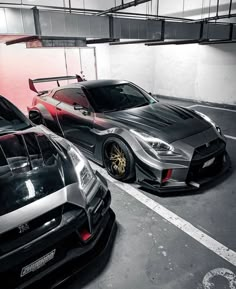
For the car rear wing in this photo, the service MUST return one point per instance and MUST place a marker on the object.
(50, 79)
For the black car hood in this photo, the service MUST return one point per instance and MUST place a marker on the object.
(168, 122)
(30, 168)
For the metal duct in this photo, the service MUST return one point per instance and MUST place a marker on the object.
(16, 21)
(136, 29)
(56, 43)
(55, 24)
(73, 25)
(180, 30)
(234, 32)
(216, 31)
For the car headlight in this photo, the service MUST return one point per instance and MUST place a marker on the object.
(82, 168)
(157, 144)
(207, 118)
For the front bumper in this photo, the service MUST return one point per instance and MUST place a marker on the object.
(66, 240)
(186, 178)
(76, 258)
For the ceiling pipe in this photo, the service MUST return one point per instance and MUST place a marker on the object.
(101, 40)
(21, 40)
(172, 42)
(230, 7)
(217, 42)
(217, 8)
(217, 17)
(159, 17)
(95, 11)
(134, 42)
(123, 6)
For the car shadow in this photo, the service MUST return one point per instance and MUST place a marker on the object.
(201, 190)
(91, 271)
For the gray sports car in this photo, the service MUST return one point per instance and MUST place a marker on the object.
(122, 127)
(53, 207)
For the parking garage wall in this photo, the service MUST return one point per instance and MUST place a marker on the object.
(201, 73)
(18, 64)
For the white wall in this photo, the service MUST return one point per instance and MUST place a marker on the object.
(18, 64)
(132, 62)
(205, 73)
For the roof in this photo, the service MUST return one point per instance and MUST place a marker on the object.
(93, 83)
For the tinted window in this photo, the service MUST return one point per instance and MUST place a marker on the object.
(60, 95)
(118, 97)
(10, 117)
(72, 96)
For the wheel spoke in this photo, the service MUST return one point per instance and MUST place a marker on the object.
(116, 159)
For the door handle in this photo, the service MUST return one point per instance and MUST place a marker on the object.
(57, 108)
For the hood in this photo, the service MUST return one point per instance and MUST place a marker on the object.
(30, 168)
(169, 122)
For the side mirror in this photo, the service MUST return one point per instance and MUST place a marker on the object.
(36, 117)
(84, 110)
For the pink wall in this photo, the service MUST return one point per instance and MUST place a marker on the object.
(18, 64)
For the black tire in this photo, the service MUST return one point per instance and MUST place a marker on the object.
(122, 169)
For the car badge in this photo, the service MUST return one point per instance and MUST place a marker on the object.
(207, 145)
(23, 228)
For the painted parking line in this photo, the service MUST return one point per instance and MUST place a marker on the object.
(230, 136)
(213, 107)
(207, 241)
(219, 108)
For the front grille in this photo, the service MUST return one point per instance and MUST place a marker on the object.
(36, 227)
(206, 151)
(61, 239)
(12, 278)
(214, 149)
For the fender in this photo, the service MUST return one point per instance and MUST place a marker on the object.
(50, 121)
(139, 153)
(42, 109)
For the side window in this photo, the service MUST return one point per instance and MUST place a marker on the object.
(132, 91)
(77, 96)
(60, 95)
(72, 96)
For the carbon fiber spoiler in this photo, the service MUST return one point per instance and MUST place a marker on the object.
(50, 79)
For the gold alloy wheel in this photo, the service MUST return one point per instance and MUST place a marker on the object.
(118, 160)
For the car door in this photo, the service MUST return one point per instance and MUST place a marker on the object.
(75, 117)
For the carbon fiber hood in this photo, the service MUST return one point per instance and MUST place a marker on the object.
(168, 122)
(30, 169)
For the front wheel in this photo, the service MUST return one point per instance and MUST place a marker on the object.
(119, 160)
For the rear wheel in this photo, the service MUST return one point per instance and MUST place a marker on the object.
(119, 160)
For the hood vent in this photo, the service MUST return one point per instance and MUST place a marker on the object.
(21, 153)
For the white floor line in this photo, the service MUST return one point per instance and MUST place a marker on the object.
(201, 237)
(213, 107)
(230, 136)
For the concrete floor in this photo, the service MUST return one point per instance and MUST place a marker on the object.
(149, 252)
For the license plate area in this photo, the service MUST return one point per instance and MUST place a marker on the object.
(208, 163)
(39, 263)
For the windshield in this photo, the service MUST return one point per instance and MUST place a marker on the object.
(11, 118)
(118, 97)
